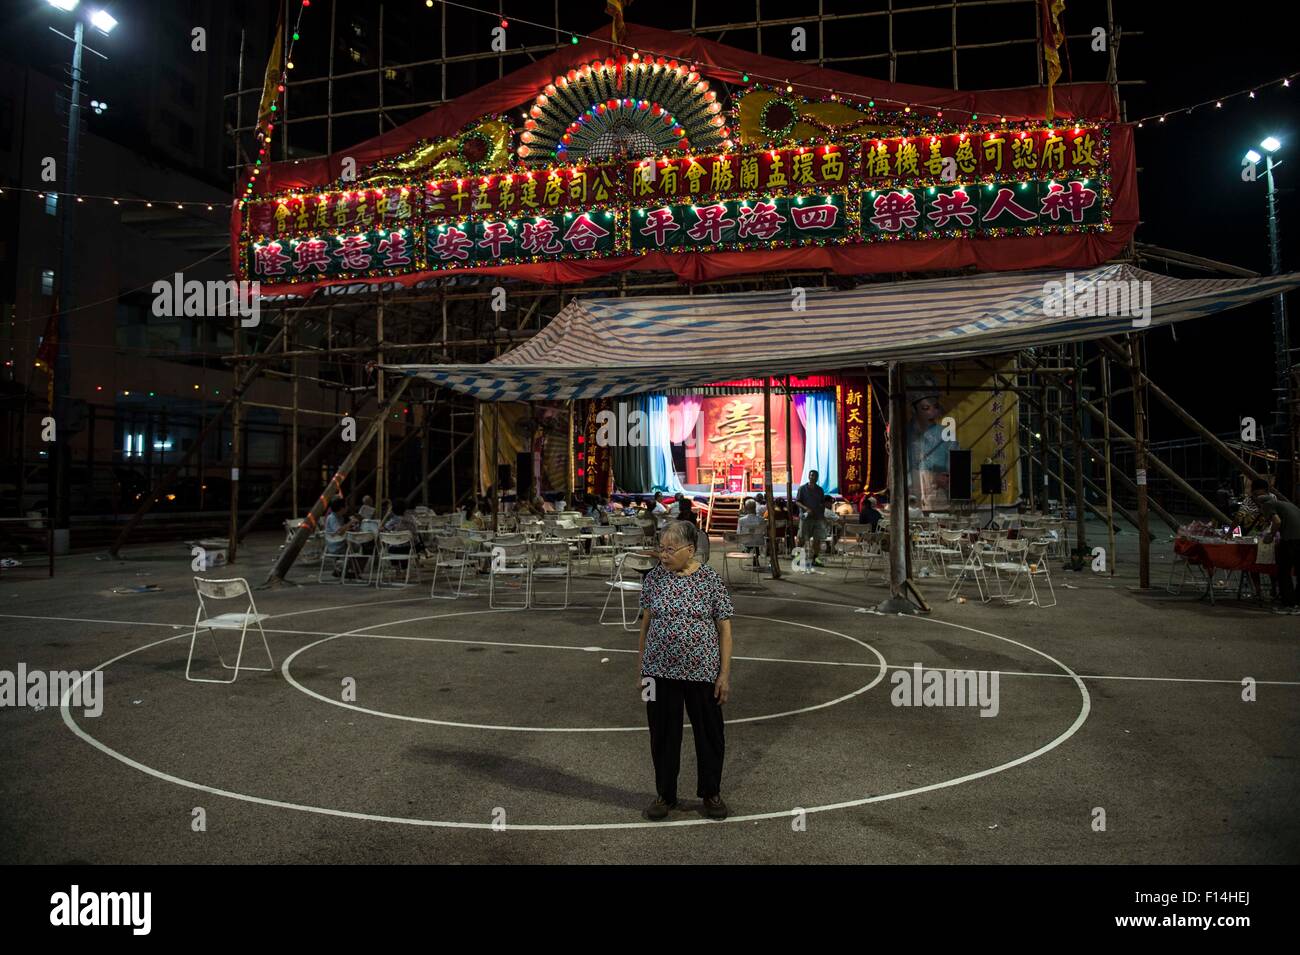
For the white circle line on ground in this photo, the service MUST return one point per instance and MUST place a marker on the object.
(1236, 680)
(361, 632)
(1079, 720)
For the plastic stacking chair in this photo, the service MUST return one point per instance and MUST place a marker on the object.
(548, 560)
(385, 558)
(451, 562)
(227, 589)
(626, 580)
(509, 562)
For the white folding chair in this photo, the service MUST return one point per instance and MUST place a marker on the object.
(747, 552)
(451, 561)
(509, 562)
(361, 548)
(226, 589)
(548, 560)
(1036, 554)
(972, 568)
(1011, 561)
(327, 556)
(386, 558)
(623, 581)
(948, 553)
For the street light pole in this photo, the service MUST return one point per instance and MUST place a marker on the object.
(61, 497)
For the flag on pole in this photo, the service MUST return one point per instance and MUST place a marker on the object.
(274, 71)
(1053, 37)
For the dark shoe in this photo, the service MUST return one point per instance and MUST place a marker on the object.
(715, 808)
(659, 809)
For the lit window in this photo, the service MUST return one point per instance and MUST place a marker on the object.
(47, 281)
(51, 204)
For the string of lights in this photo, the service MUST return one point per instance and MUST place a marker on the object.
(264, 135)
(181, 204)
(1282, 82)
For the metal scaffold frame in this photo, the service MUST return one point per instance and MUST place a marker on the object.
(444, 319)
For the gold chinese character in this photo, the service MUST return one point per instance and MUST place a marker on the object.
(934, 164)
(776, 173)
(906, 159)
(577, 185)
(721, 178)
(459, 196)
(321, 220)
(554, 193)
(529, 196)
(643, 181)
(302, 214)
(801, 169)
(281, 214)
(668, 180)
(1053, 152)
(748, 172)
(965, 156)
(1082, 153)
(1023, 155)
(833, 165)
(877, 161)
(694, 173)
(993, 151)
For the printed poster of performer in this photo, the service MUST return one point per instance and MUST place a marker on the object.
(927, 447)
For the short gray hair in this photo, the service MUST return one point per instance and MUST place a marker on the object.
(684, 531)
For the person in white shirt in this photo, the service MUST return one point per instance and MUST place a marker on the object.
(750, 528)
(367, 509)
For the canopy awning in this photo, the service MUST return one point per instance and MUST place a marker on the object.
(601, 347)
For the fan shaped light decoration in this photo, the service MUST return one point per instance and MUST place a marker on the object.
(624, 107)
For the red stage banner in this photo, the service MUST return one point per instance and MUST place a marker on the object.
(854, 414)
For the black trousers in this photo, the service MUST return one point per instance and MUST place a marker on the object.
(1288, 562)
(665, 715)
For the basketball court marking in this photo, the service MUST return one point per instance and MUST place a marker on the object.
(361, 631)
(1079, 720)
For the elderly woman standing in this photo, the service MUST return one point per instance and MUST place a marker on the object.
(685, 662)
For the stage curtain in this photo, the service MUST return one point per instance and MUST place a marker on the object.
(821, 439)
(663, 474)
(632, 472)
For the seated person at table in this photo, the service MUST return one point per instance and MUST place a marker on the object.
(870, 513)
(751, 527)
(760, 504)
(1284, 528)
(367, 509)
(337, 524)
(914, 512)
(402, 520)
(473, 518)
(657, 507)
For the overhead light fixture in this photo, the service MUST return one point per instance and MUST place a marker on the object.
(1252, 156)
(103, 21)
(1272, 144)
(68, 5)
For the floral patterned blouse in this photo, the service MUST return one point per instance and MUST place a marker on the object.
(681, 642)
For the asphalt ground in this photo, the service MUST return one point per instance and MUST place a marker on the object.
(470, 735)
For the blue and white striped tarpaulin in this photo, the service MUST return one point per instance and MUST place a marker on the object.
(598, 347)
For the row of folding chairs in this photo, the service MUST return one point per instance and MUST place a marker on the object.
(513, 566)
(370, 558)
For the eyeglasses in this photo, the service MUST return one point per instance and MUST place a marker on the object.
(669, 551)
